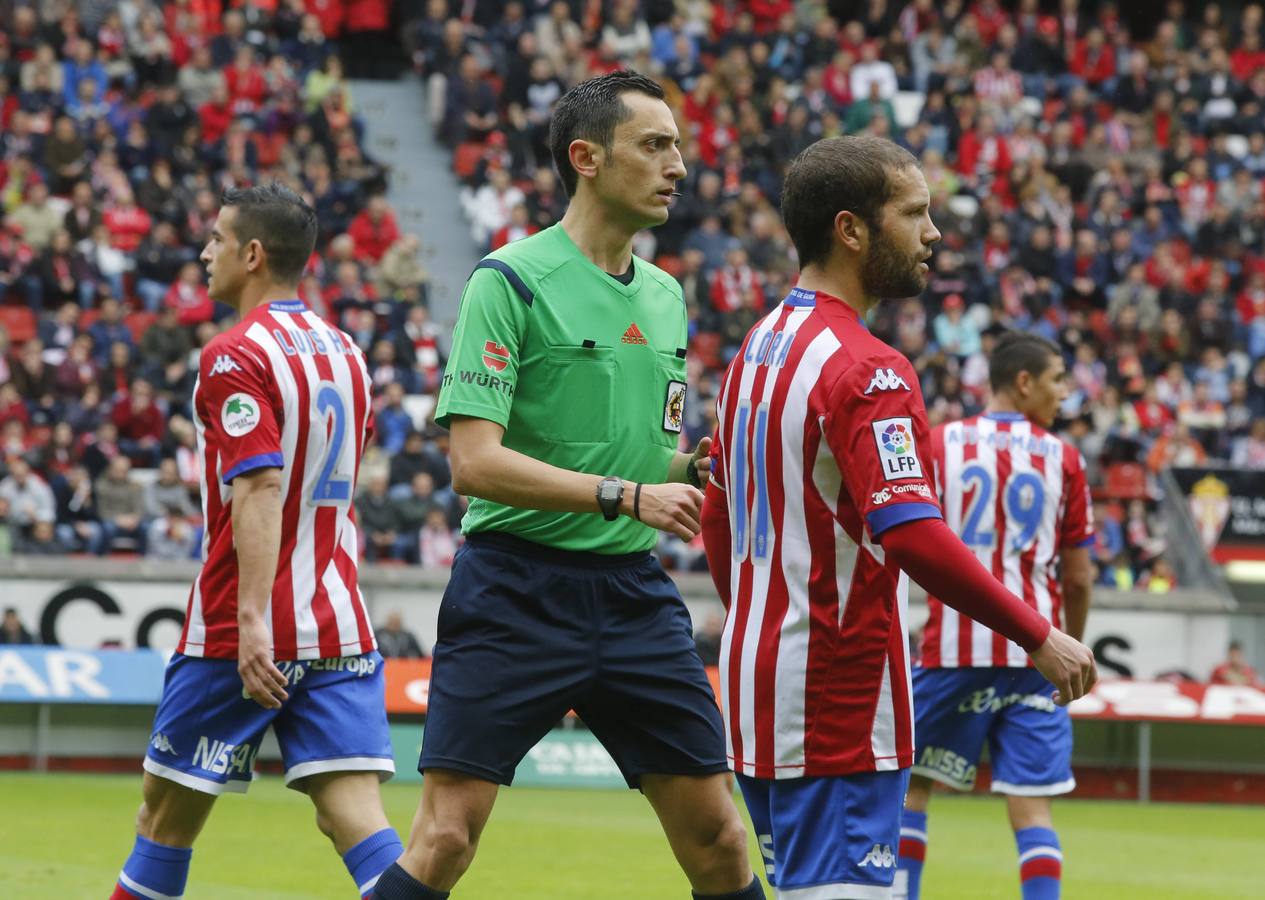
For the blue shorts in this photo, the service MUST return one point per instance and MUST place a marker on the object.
(1029, 738)
(830, 838)
(207, 731)
(528, 632)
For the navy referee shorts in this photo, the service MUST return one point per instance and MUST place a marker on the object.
(528, 632)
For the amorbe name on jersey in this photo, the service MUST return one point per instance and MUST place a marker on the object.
(896, 452)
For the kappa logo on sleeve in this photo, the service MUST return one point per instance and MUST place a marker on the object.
(885, 380)
(223, 365)
(495, 356)
(240, 414)
(896, 452)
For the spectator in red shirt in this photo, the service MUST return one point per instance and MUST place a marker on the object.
(519, 227)
(247, 88)
(1093, 59)
(127, 222)
(215, 115)
(1234, 670)
(374, 230)
(188, 296)
(140, 423)
(736, 285)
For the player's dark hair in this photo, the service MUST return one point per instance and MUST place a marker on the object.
(589, 112)
(850, 173)
(1019, 351)
(283, 224)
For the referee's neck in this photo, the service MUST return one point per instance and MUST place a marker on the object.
(607, 244)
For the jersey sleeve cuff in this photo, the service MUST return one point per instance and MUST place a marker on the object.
(882, 519)
(1086, 542)
(250, 463)
(499, 416)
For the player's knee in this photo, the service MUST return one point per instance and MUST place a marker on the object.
(729, 841)
(325, 825)
(144, 821)
(451, 841)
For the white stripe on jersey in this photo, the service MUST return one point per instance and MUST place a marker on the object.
(951, 503)
(305, 630)
(792, 653)
(339, 595)
(985, 458)
(1011, 531)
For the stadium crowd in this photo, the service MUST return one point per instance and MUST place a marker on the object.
(1097, 180)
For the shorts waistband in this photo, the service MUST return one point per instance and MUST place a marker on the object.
(512, 543)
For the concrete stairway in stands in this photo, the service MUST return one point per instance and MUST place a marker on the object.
(423, 191)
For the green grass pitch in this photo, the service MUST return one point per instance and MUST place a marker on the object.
(66, 836)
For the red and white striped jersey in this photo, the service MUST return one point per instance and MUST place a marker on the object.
(820, 448)
(1017, 496)
(283, 389)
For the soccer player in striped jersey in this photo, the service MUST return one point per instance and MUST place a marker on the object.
(1017, 496)
(276, 632)
(820, 503)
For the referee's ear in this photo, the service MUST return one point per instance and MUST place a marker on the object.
(585, 157)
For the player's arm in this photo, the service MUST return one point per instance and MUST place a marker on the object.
(717, 539)
(1077, 574)
(1075, 566)
(483, 467)
(257, 539)
(879, 440)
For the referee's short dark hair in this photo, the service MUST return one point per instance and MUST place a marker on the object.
(1019, 351)
(589, 112)
(281, 221)
(834, 174)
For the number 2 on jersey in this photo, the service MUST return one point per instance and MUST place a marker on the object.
(1023, 501)
(332, 488)
(761, 543)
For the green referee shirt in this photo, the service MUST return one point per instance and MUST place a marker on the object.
(583, 372)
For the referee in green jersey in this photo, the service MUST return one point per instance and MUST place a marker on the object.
(565, 394)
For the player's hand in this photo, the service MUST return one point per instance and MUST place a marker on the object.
(1068, 664)
(674, 508)
(701, 460)
(261, 678)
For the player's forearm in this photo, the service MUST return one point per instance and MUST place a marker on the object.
(717, 539)
(257, 540)
(936, 558)
(505, 476)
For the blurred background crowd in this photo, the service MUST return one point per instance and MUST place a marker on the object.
(1096, 170)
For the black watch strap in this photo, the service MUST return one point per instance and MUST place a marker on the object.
(610, 493)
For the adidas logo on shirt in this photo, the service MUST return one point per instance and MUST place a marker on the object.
(885, 380)
(223, 365)
(633, 335)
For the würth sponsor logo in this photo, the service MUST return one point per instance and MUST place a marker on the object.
(633, 335)
(495, 356)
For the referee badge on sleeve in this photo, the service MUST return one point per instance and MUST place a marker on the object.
(674, 406)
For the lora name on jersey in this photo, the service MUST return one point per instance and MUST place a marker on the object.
(221, 757)
(771, 347)
(325, 342)
(949, 763)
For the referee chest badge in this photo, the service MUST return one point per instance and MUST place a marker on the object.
(674, 406)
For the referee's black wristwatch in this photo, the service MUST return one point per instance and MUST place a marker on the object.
(610, 493)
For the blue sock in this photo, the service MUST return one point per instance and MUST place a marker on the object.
(155, 869)
(1040, 863)
(396, 884)
(913, 852)
(753, 891)
(371, 857)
